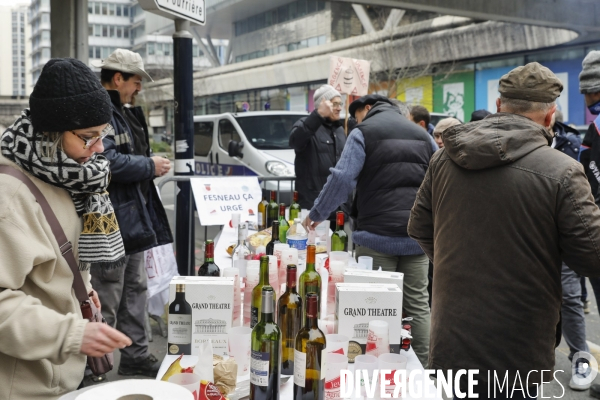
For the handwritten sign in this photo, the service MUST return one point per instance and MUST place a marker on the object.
(218, 198)
(349, 75)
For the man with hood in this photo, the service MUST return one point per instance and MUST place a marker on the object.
(385, 159)
(498, 212)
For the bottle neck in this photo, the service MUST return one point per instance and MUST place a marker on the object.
(281, 212)
(266, 317)
(311, 312)
(273, 196)
(179, 295)
(264, 272)
(275, 231)
(209, 253)
(339, 221)
(310, 257)
(291, 280)
(295, 197)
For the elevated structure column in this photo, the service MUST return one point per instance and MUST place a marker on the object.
(69, 29)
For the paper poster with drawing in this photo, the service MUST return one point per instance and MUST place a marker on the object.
(562, 102)
(349, 75)
(454, 100)
(493, 94)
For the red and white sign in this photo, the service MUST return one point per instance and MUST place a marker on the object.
(349, 75)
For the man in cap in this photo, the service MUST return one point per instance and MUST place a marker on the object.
(385, 159)
(318, 141)
(139, 211)
(497, 213)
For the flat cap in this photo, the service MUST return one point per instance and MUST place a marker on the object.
(369, 99)
(531, 82)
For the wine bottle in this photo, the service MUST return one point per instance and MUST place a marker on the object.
(310, 280)
(180, 324)
(241, 252)
(257, 291)
(209, 268)
(262, 214)
(289, 319)
(294, 208)
(265, 352)
(310, 356)
(339, 238)
(284, 225)
(274, 238)
(272, 209)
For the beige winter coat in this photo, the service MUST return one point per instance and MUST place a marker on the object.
(41, 328)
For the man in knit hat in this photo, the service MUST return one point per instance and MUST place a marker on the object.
(589, 86)
(318, 141)
(139, 211)
(498, 213)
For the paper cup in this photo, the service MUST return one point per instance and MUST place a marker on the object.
(335, 364)
(378, 338)
(337, 344)
(365, 363)
(393, 362)
(189, 381)
(366, 262)
(239, 348)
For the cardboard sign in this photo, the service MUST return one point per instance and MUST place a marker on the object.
(349, 75)
(218, 198)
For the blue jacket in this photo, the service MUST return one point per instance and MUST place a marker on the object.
(143, 225)
(567, 140)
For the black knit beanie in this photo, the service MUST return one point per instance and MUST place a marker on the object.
(68, 96)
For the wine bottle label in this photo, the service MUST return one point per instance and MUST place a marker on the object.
(260, 217)
(253, 316)
(180, 328)
(299, 368)
(259, 368)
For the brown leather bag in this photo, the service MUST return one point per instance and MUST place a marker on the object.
(98, 365)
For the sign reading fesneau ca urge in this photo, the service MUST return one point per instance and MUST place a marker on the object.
(192, 10)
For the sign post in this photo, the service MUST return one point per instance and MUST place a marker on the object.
(184, 13)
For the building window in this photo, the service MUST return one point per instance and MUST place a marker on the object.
(112, 31)
(125, 11)
(119, 31)
(91, 7)
(98, 54)
(91, 52)
(118, 10)
(104, 30)
(104, 9)
(96, 8)
(150, 48)
(111, 9)
(125, 33)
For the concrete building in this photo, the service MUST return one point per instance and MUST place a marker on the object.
(39, 20)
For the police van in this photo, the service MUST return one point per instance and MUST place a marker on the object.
(246, 144)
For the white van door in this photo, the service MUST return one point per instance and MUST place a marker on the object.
(229, 166)
(204, 134)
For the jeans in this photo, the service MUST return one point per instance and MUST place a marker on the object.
(123, 295)
(573, 320)
(415, 301)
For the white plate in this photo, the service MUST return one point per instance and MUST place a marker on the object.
(158, 390)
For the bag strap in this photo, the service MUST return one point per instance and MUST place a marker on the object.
(66, 248)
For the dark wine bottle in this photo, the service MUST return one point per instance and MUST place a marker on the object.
(339, 238)
(294, 208)
(180, 324)
(209, 268)
(263, 281)
(289, 319)
(310, 280)
(309, 356)
(272, 209)
(274, 238)
(265, 352)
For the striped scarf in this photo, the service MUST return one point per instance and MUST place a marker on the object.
(100, 242)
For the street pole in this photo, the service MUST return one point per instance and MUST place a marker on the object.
(184, 146)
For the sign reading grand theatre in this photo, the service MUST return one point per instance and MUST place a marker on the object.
(192, 10)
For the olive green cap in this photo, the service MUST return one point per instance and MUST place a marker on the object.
(531, 82)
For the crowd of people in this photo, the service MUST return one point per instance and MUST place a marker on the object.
(494, 222)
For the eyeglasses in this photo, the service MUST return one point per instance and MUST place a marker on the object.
(90, 141)
(337, 104)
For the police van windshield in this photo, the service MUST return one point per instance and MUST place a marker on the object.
(268, 132)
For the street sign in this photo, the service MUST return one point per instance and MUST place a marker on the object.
(191, 10)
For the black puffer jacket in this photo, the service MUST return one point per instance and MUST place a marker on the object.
(143, 225)
(318, 144)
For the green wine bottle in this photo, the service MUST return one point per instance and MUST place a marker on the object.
(263, 281)
(309, 356)
(294, 208)
(265, 352)
(272, 209)
(339, 238)
(289, 319)
(283, 224)
(310, 280)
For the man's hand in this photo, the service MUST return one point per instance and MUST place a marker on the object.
(99, 339)
(96, 299)
(325, 109)
(162, 165)
(309, 224)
